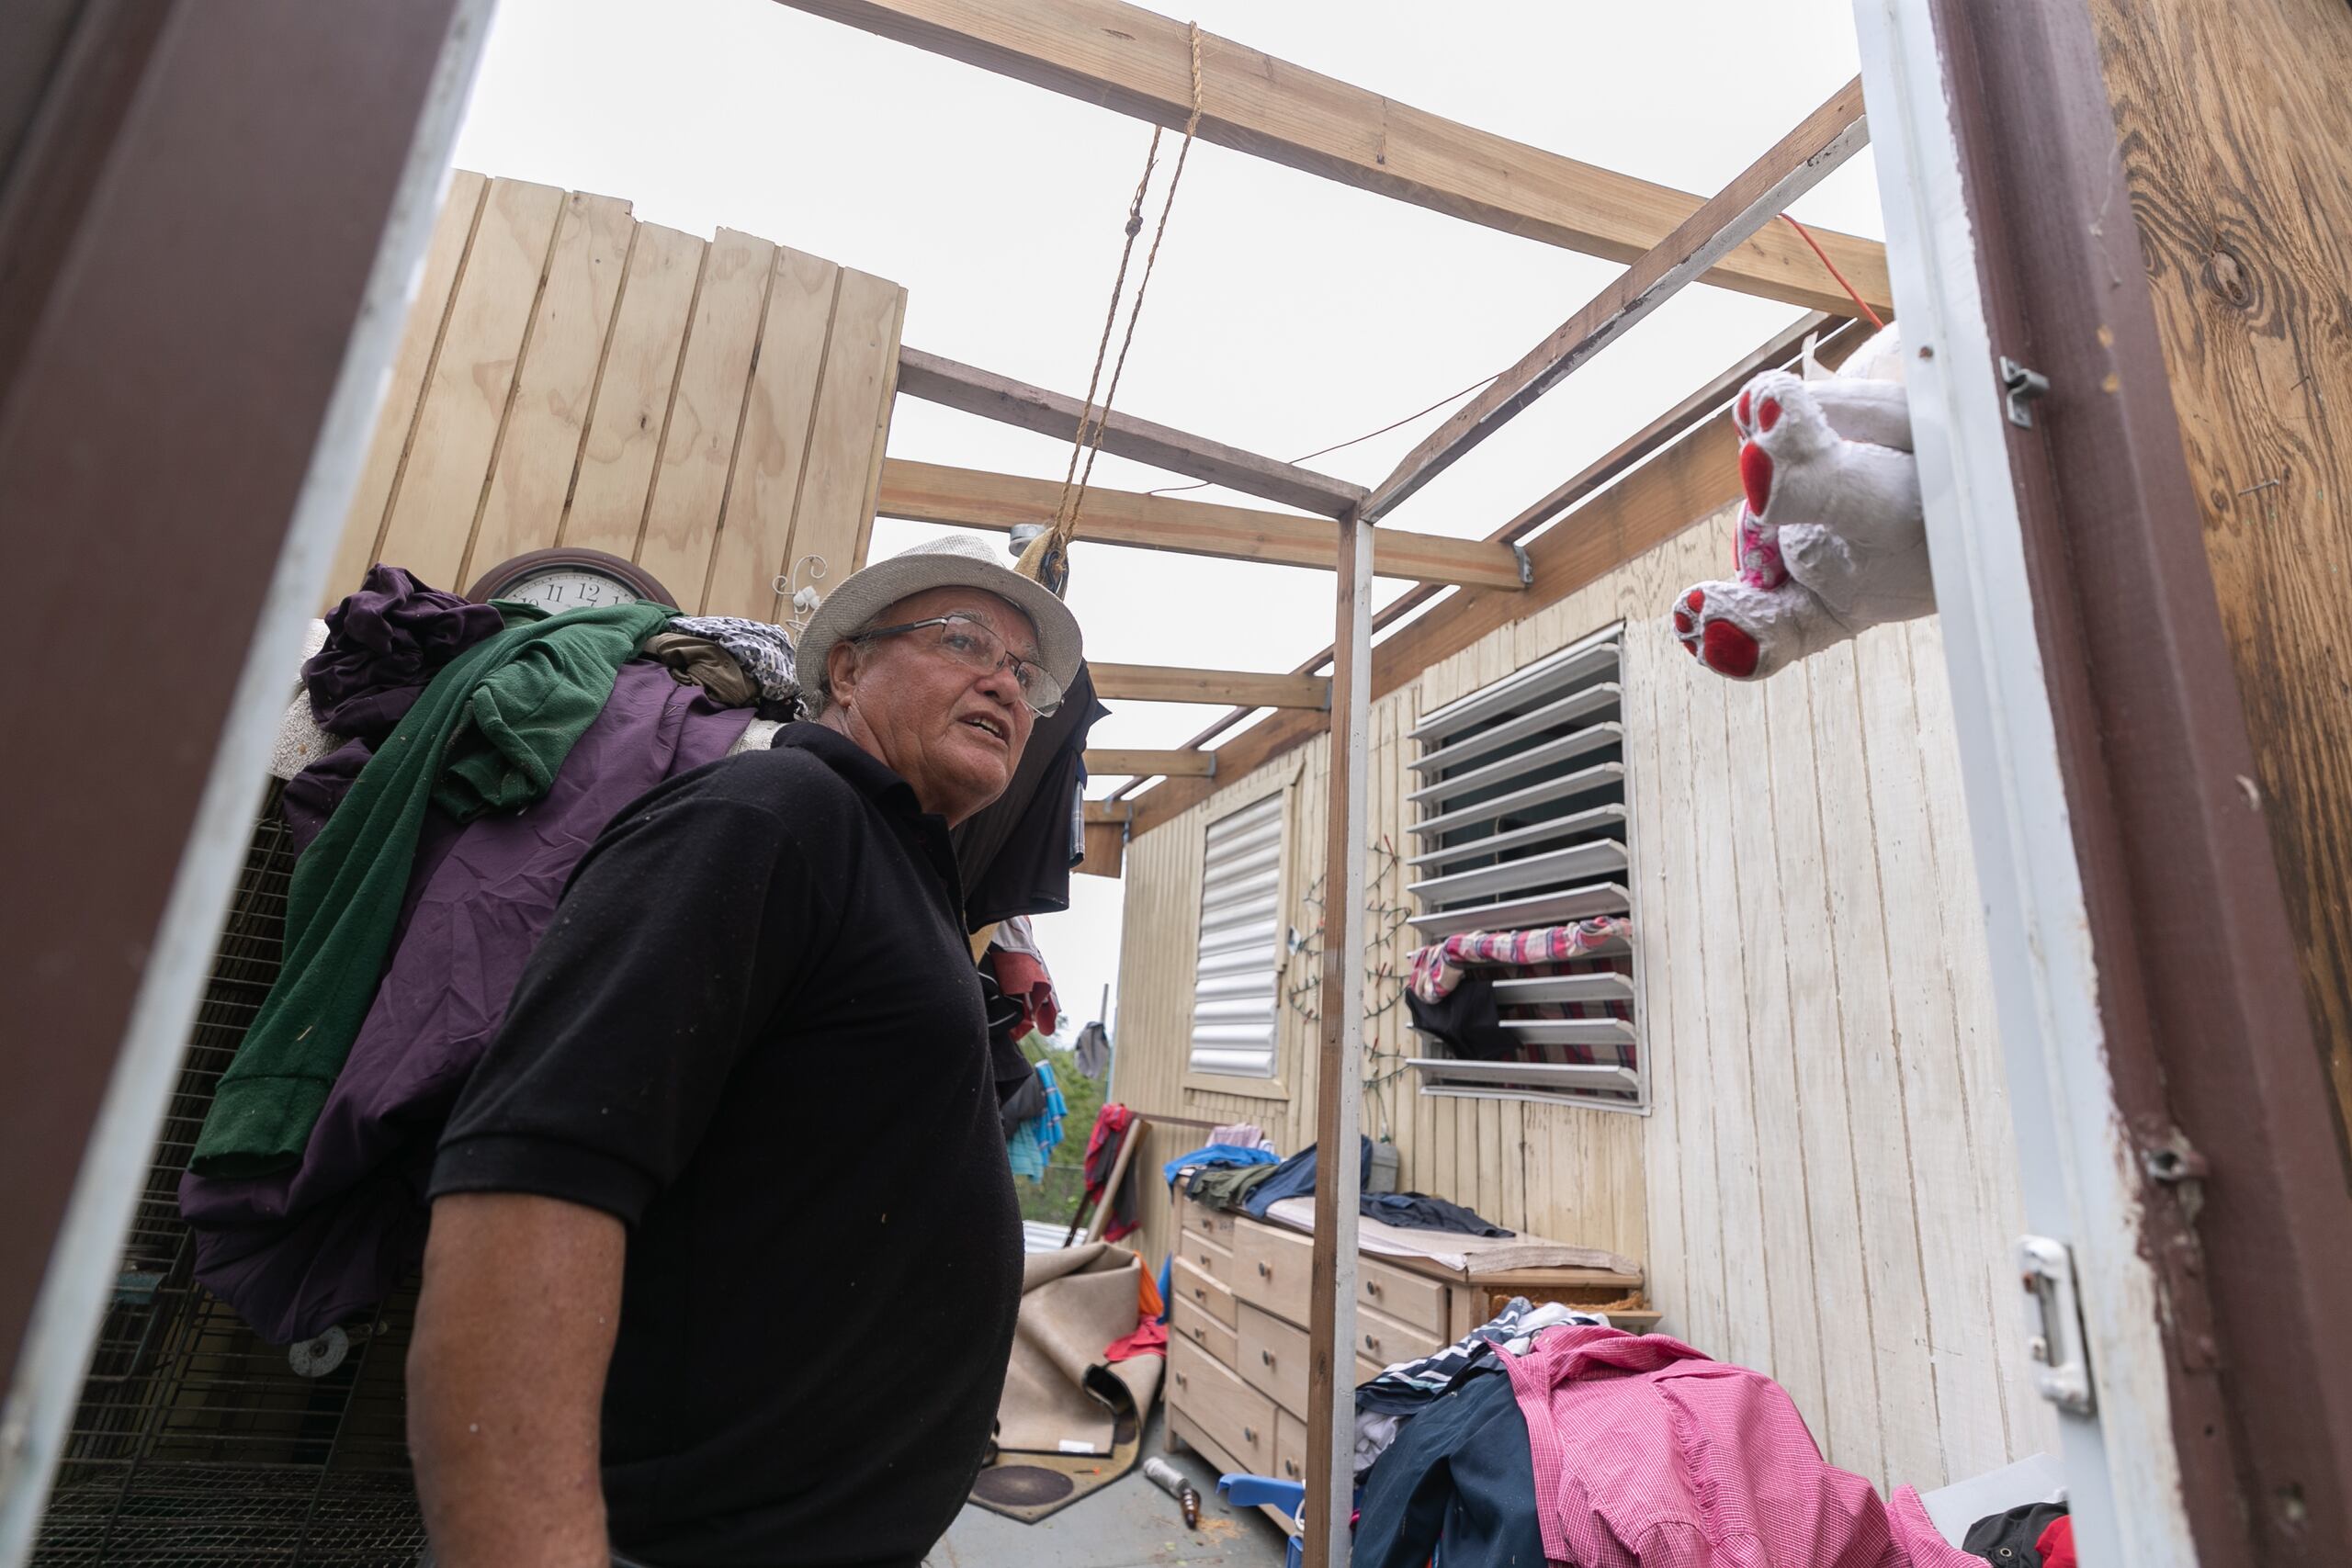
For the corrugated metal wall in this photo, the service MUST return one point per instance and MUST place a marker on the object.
(1825, 1190)
(713, 410)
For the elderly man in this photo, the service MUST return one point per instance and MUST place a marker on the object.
(725, 1256)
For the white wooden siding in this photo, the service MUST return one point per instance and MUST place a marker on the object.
(1823, 1188)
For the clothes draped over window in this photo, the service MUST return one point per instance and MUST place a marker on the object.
(1438, 968)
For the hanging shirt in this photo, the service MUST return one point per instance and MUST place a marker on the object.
(733, 942)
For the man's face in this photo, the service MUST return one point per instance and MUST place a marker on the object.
(953, 732)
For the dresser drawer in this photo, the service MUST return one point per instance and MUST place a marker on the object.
(1188, 1320)
(1238, 1418)
(1200, 1219)
(1210, 1296)
(1381, 1338)
(1273, 1356)
(1206, 1256)
(1290, 1447)
(1408, 1298)
(1275, 1269)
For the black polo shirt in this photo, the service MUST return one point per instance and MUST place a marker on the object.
(756, 1034)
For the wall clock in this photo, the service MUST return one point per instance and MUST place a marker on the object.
(569, 578)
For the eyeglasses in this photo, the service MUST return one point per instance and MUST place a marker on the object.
(968, 640)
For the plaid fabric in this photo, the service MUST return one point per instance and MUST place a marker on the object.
(1648, 1455)
(1436, 970)
(764, 651)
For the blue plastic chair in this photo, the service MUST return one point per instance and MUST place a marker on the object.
(1246, 1490)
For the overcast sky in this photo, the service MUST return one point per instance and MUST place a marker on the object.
(1287, 313)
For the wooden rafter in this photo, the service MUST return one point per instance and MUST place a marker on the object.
(1008, 402)
(1240, 688)
(1621, 459)
(930, 493)
(1104, 813)
(1109, 762)
(1139, 63)
(1801, 160)
(1694, 471)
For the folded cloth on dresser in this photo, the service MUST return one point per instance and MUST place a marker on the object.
(1451, 1250)
(1438, 968)
(300, 1248)
(1225, 1186)
(1216, 1154)
(1419, 1210)
(490, 734)
(1645, 1453)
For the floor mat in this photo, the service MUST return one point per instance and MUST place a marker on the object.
(1030, 1486)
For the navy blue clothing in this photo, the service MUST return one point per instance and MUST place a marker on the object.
(1457, 1479)
(754, 1033)
(1295, 1177)
(1419, 1210)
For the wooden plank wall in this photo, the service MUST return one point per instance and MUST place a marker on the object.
(1823, 1188)
(715, 411)
(2235, 128)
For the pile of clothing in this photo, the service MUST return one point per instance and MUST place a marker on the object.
(1546, 1435)
(1250, 1181)
(425, 727)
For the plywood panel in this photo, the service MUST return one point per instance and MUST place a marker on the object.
(439, 490)
(835, 515)
(556, 384)
(756, 536)
(705, 411)
(2233, 123)
(436, 282)
(607, 509)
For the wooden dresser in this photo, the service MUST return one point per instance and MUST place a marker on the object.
(1238, 1342)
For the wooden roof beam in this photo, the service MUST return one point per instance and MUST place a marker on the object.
(1828, 136)
(1110, 763)
(973, 498)
(1139, 62)
(1238, 688)
(984, 392)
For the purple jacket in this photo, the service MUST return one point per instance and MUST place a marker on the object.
(296, 1251)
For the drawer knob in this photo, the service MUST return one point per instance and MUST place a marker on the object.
(1181, 1380)
(1372, 1341)
(1372, 1287)
(1200, 1334)
(1290, 1467)
(1267, 1357)
(1249, 1434)
(1264, 1272)
(1199, 1294)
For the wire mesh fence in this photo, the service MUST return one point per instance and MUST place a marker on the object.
(195, 1444)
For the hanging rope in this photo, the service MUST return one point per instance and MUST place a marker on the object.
(1044, 560)
(1861, 304)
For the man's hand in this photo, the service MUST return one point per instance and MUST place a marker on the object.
(506, 1379)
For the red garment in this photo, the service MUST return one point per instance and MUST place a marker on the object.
(2057, 1544)
(1148, 1339)
(1648, 1455)
(1023, 980)
(1102, 1153)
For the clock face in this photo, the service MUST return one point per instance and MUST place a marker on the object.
(556, 589)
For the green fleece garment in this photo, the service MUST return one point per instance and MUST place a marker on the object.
(487, 735)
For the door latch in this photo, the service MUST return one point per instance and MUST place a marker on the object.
(2053, 1325)
(2024, 386)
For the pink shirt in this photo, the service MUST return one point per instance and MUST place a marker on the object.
(1649, 1455)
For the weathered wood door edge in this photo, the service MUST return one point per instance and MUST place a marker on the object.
(359, 121)
(2172, 1114)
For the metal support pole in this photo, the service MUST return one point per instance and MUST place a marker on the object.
(1338, 1080)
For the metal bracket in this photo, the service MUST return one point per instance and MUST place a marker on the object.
(2054, 1321)
(1526, 567)
(2023, 385)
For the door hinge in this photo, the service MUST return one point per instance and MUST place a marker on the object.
(2023, 385)
(2053, 1325)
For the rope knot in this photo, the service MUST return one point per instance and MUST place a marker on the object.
(1135, 225)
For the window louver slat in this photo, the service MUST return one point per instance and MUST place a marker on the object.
(1236, 990)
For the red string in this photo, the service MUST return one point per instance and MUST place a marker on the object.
(1859, 303)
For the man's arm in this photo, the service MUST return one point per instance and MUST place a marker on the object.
(507, 1378)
